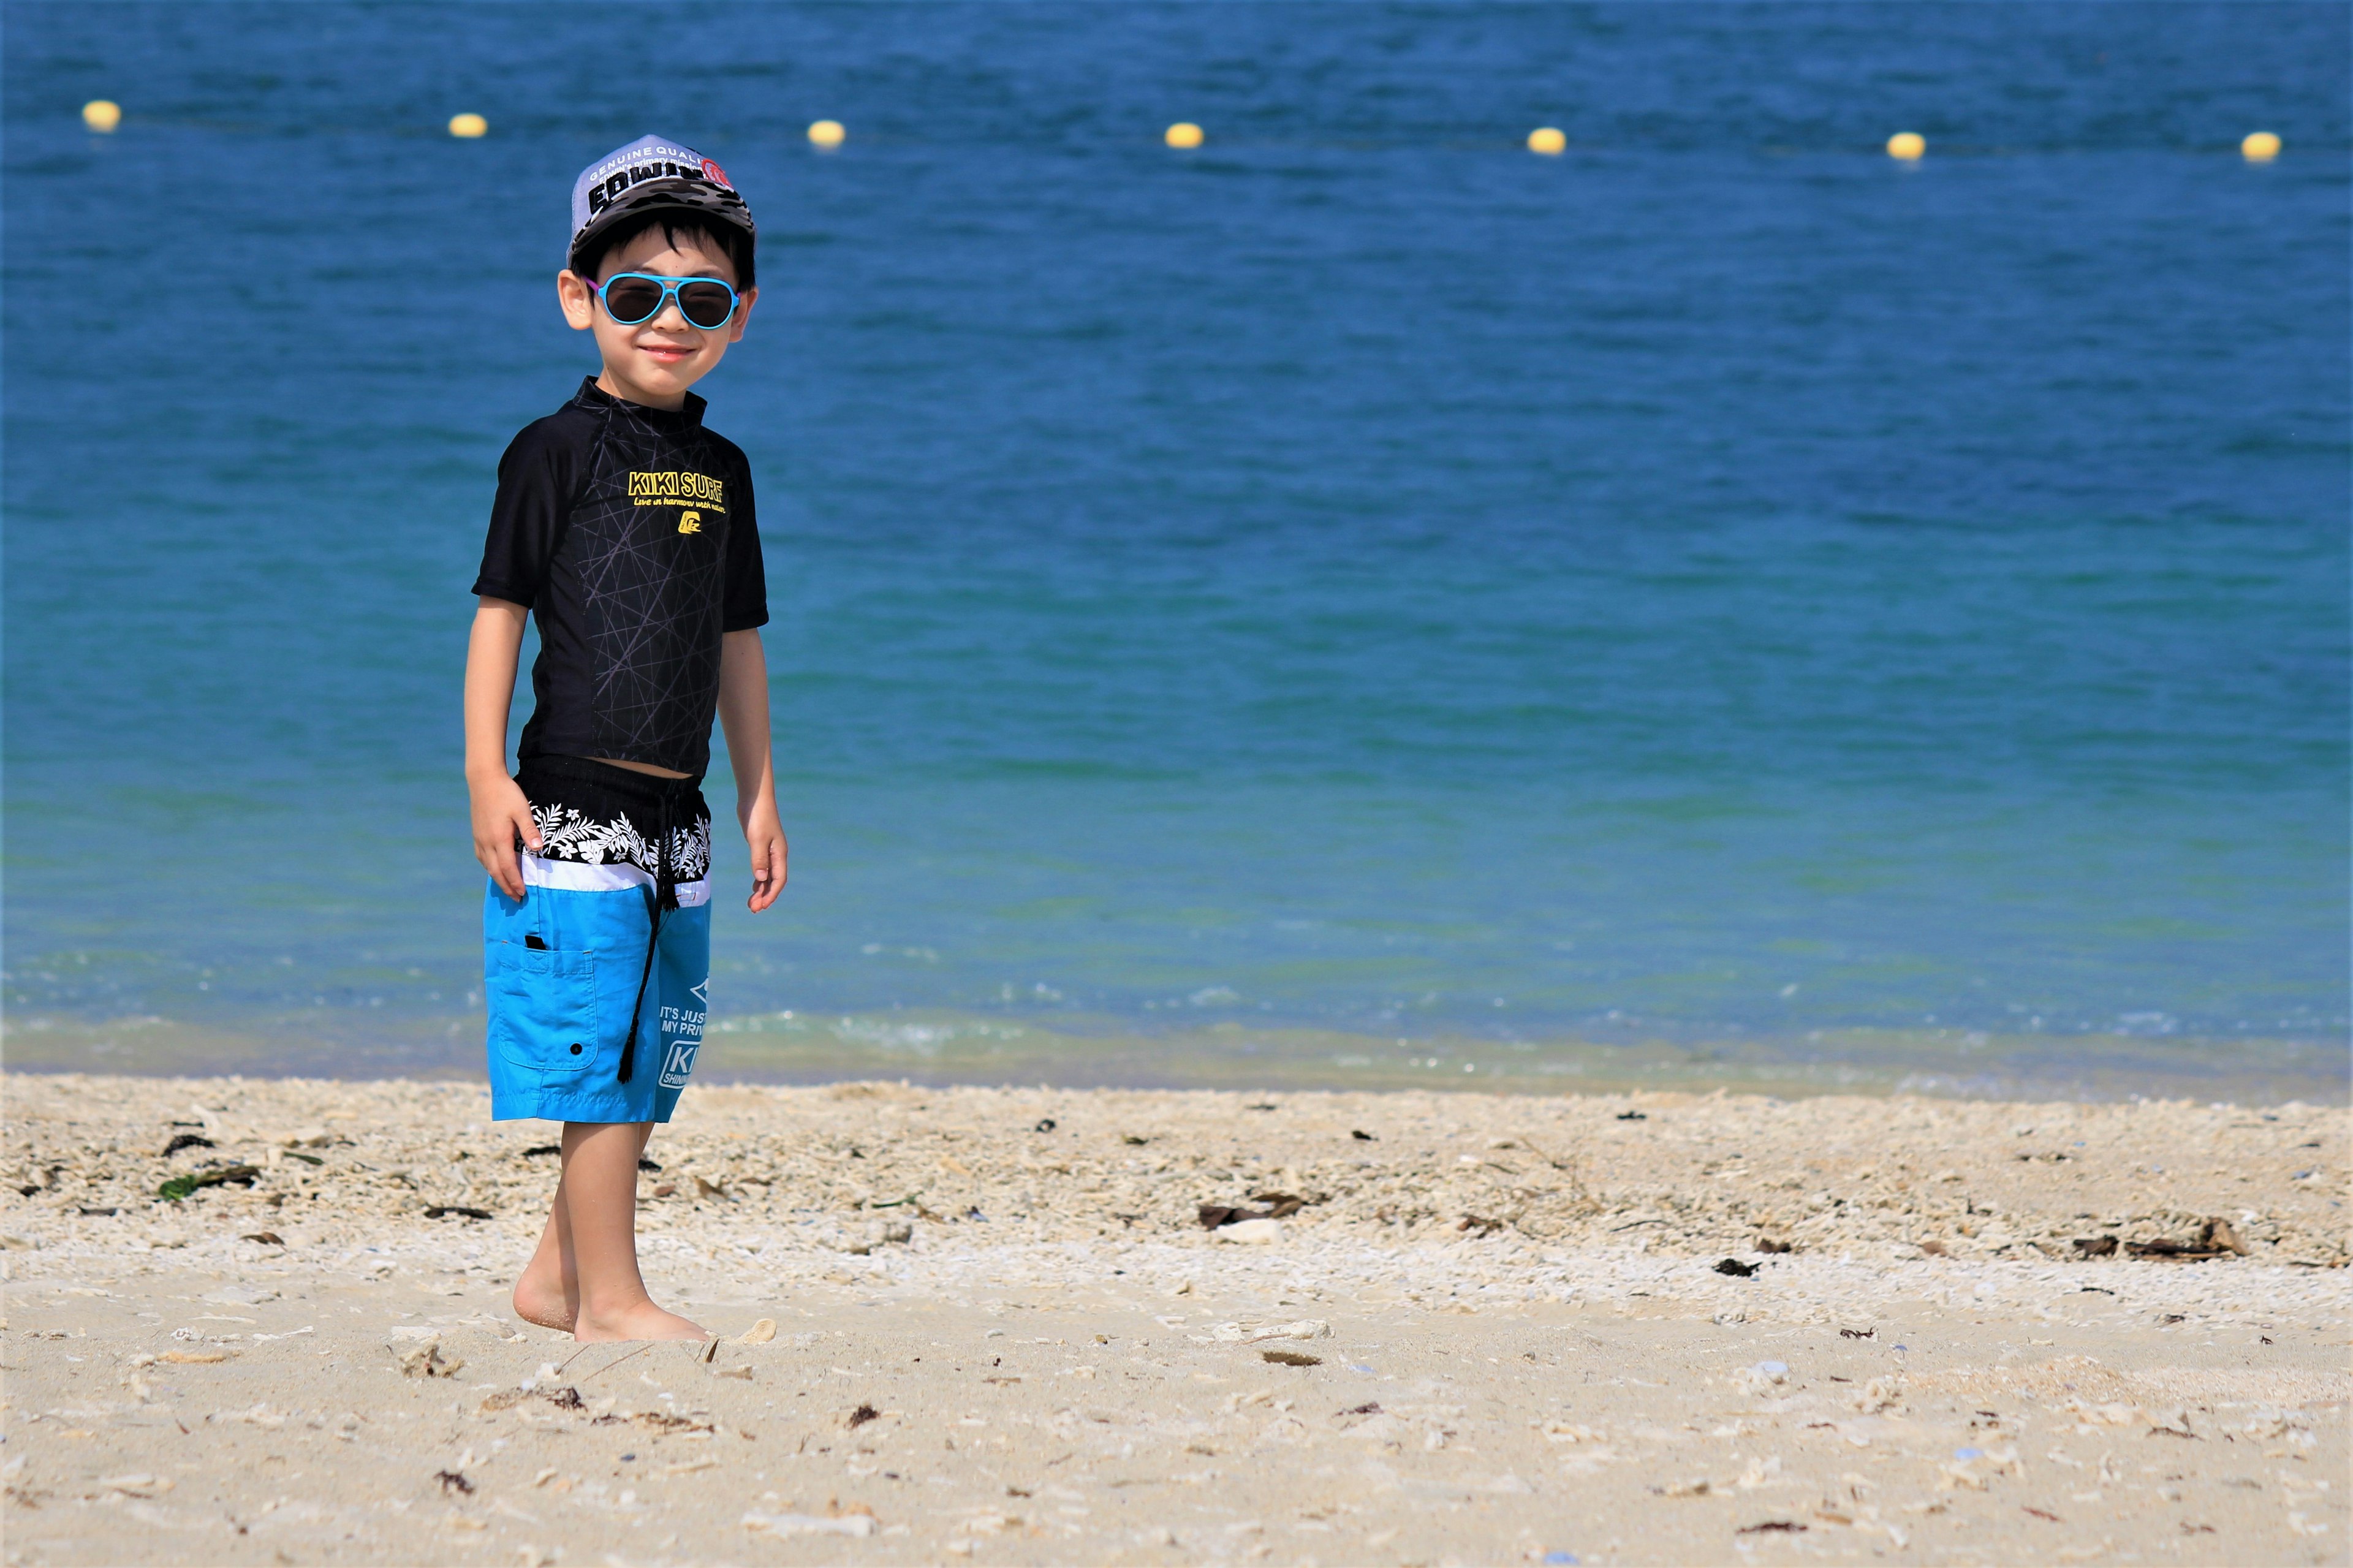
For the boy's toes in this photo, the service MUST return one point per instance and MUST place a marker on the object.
(645, 1322)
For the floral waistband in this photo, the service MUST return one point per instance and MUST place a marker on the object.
(568, 833)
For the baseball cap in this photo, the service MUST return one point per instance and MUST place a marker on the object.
(651, 173)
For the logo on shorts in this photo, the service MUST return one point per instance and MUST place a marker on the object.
(689, 522)
(679, 1064)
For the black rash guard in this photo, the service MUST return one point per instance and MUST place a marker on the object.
(628, 532)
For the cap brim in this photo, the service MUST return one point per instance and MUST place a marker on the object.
(655, 196)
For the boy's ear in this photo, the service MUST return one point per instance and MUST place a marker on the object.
(743, 314)
(579, 305)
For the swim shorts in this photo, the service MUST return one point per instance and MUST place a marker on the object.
(597, 977)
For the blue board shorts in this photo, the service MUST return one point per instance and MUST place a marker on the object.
(597, 977)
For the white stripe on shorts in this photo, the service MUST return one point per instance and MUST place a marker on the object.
(578, 877)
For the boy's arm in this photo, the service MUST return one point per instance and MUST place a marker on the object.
(744, 714)
(501, 812)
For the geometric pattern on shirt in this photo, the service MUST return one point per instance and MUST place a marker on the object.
(567, 832)
(651, 597)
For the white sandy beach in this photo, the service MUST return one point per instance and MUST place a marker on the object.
(1493, 1329)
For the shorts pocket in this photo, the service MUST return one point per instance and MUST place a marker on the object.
(544, 1007)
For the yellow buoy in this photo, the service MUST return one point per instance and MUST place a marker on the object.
(1184, 133)
(826, 133)
(1548, 141)
(101, 115)
(469, 126)
(1906, 145)
(2260, 147)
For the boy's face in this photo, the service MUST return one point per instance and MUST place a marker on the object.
(655, 362)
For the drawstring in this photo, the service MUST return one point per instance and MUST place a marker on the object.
(659, 898)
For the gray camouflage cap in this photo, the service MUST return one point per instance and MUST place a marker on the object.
(651, 173)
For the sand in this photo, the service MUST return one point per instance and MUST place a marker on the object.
(991, 1326)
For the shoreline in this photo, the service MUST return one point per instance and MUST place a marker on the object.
(1509, 1325)
(980, 1050)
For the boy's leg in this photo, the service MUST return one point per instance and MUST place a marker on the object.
(598, 1200)
(548, 1291)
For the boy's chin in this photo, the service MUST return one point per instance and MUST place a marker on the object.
(674, 372)
(665, 377)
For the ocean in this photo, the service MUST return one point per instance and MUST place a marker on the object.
(1355, 604)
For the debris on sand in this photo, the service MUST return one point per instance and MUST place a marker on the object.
(1280, 1206)
(853, 1524)
(179, 1187)
(566, 1398)
(424, 1358)
(1250, 1231)
(1738, 1270)
(759, 1333)
(2215, 1239)
(796, 1154)
(658, 1422)
(1259, 1333)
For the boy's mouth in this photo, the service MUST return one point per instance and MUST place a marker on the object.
(666, 353)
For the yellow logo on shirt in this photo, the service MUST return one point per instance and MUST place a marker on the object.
(673, 488)
(689, 522)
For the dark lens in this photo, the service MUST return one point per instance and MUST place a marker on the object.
(706, 304)
(632, 299)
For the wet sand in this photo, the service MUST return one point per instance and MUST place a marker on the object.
(1484, 1329)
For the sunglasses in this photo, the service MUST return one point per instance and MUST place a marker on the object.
(633, 299)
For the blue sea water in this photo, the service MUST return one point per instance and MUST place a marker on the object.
(1358, 602)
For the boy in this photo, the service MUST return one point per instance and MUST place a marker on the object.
(626, 528)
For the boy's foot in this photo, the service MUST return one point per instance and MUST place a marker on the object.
(642, 1321)
(540, 1297)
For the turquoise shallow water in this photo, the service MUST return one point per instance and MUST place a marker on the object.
(1352, 603)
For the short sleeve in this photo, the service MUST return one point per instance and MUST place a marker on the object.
(534, 498)
(746, 604)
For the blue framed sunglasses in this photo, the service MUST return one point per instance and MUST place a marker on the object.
(633, 299)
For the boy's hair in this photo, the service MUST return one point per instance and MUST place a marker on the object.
(725, 238)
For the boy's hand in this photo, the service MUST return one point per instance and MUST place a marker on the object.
(501, 812)
(744, 714)
(764, 835)
(501, 816)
